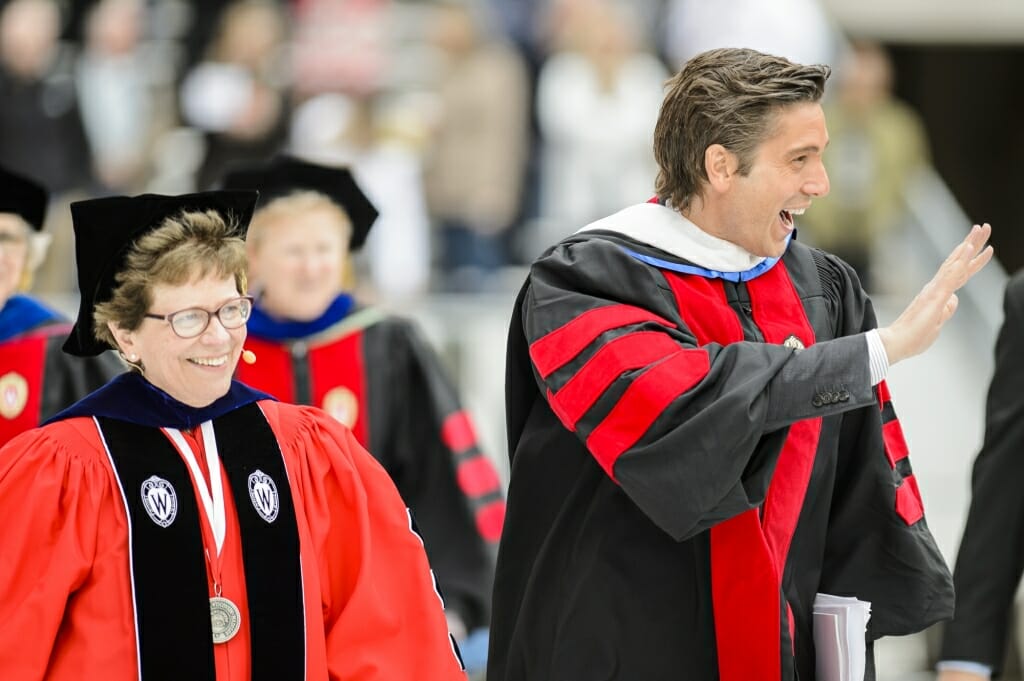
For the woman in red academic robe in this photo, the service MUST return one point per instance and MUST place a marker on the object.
(179, 525)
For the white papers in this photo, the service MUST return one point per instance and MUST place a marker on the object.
(840, 628)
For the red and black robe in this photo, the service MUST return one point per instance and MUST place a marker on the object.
(694, 456)
(376, 374)
(37, 379)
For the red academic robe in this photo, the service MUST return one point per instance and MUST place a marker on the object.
(37, 379)
(371, 608)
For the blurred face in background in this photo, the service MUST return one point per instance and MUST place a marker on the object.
(114, 27)
(297, 258)
(14, 245)
(250, 32)
(29, 30)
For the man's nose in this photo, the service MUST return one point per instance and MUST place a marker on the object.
(817, 185)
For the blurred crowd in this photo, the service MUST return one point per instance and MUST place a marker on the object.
(484, 130)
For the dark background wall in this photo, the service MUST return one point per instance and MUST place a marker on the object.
(972, 101)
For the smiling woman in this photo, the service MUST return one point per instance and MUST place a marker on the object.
(227, 536)
(192, 263)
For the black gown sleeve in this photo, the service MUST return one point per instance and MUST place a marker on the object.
(428, 445)
(879, 547)
(67, 379)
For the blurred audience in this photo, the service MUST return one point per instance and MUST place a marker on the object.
(476, 161)
(598, 97)
(238, 96)
(117, 89)
(40, 127)
(799, 30)
(341, 45)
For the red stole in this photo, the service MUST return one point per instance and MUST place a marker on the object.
(336, 378)
(748, 551)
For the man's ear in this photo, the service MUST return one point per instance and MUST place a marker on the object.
(720, 165)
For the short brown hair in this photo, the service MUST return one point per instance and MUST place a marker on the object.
(187, 246)
(729, 97)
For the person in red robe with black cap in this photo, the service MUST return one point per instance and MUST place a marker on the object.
(315, 344)
(36, 379)
(177, 524)
(703, 446)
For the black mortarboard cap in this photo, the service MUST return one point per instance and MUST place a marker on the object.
(287, 174)
(105, 229)
(23, 197)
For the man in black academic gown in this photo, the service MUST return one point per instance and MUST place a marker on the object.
(701, 437)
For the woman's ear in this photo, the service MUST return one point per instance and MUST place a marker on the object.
(125, 342)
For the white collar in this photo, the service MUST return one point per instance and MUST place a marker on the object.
(664, 228)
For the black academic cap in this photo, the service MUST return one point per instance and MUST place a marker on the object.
(106, 228)
(23, 197)
(287, 174)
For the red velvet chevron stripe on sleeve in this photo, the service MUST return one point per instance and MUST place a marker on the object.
(643, 402)
(625, 353)
(895, 444)
(909, 505)
(476, 476)
(908, 500)
(557, 348)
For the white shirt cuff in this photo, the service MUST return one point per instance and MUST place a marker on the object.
(877, 358)
(965, 666)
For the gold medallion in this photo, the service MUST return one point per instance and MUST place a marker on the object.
(341, 403)
(225, 618)
(13, 395)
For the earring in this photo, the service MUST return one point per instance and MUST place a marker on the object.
(133, 357)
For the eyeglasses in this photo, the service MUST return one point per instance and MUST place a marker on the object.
(193, 321)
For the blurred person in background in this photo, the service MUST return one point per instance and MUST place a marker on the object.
(800, 30)
(597, 102)
(877, 146)
(344, 46)
(380, 138)
(177, 524)
(122, 94)
(40, 127)
(478, 152)
(990, 560)
(315, 344)
(37, 380)
(238, 95)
